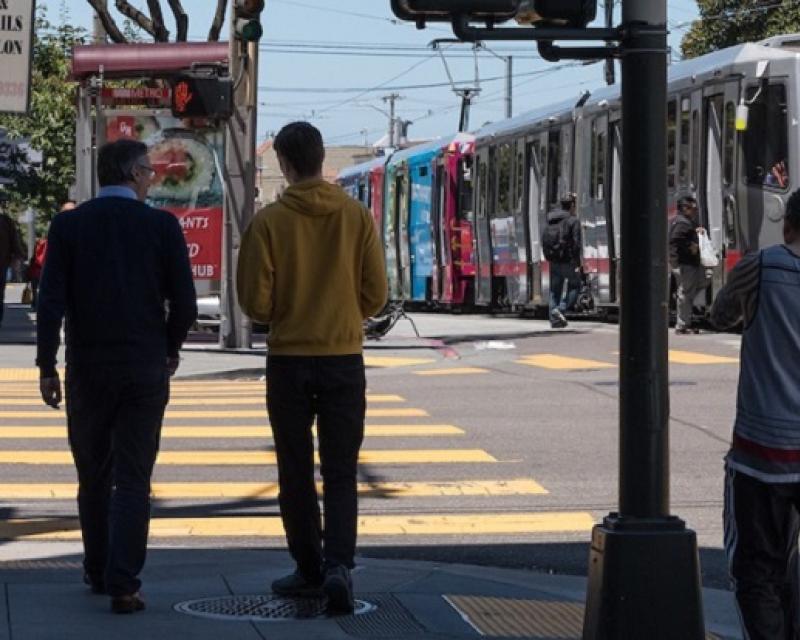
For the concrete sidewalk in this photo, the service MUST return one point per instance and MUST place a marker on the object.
(189, 590)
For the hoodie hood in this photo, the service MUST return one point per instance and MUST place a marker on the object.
(314, 198)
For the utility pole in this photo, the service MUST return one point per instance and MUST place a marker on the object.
(509, 85)
(99, 31)
(240, 173)
(644, 571)
(391, 99)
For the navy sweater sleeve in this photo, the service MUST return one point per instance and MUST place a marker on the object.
(180, 291)
(51, 303)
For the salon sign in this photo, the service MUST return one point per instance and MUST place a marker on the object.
(16, 52)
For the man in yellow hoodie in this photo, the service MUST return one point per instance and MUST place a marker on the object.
(311, 267)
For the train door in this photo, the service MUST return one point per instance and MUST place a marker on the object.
(518, 292)
(597, 240)
(536, 210)
(390, 217)
(483, 245)
(718, 195)
(403, 182)
(614, 206)
(441, 253)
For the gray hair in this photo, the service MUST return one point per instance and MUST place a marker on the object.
(116, 160)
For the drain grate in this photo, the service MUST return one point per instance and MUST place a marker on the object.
(390, 620)
(260, 608)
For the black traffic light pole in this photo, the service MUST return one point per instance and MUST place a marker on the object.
(643, 565)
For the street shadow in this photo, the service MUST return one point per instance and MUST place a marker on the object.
(557, 558)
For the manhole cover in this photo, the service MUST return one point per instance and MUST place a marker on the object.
(262, 608)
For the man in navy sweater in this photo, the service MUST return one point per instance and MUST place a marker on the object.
(119, 271)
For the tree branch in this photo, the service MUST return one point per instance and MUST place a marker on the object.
(108, 22)
(181, 20)
(124, 7)
(219, 18)
(161, 32)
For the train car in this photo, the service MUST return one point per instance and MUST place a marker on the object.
(408, 229)
(741, 171)
(523, 165)
(453, 222)
(364, 182)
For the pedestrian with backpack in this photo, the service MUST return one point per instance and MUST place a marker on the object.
(562, 244)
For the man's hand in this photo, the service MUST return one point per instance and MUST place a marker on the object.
(172, 365)
(50, 388)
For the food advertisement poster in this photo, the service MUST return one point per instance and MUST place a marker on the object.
(186, 181)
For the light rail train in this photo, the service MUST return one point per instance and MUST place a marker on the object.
(461, 217)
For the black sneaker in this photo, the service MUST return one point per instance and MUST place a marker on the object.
(296, 584)
(127, 604)
(96, 586)
(338, 587)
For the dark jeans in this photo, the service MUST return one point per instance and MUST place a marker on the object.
(762, 522)
(114, 416)
(333, 389)
(561, 272)
(2, 292)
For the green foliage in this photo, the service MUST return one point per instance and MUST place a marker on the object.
(50, 125)
(724, 23)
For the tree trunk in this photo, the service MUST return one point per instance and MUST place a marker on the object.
(219, 18)
(108, 22)
(181, 20)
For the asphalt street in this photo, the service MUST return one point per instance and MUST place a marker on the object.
(489, 441)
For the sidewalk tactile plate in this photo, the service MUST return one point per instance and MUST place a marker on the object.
(262, 608)
(534, 619)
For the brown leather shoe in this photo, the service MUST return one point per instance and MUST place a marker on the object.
(127, 604)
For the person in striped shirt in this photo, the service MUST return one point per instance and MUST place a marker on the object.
(762, 487)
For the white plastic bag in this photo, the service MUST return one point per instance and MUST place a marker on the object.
(708, 257)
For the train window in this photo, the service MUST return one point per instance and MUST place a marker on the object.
(599, 191)
(504, 179)
(520, 171)
(553, 168)
(695, 168)
(671, 127)
(593, 161)
(464, 211)
(423, 171)
(729, 149)
(765, 140)
(683, 155)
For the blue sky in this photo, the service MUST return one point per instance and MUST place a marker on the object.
(314, 50)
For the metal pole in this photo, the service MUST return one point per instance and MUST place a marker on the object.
(391, 99)
(644, 568)
(240, 175)
(509, 86)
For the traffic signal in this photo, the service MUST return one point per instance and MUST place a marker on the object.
(247, 16)
(421, 11)
(196, 95)
(569, 13)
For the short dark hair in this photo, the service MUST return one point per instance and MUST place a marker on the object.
(300, 145)
(116, 160)
(792, 215)
(685, 201)
(568, 200)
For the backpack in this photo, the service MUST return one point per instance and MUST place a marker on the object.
(556, 243)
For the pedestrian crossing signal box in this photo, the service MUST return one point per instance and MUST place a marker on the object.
(202, 96)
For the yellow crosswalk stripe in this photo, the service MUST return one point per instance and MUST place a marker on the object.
(191, 402)
(454, 371)
(368, 525)
(563, 363)
(262, 490)
(390, 361)
(45, 413)
(691, 357)
(242, 458)
(237, 431)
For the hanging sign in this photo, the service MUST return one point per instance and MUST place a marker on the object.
(16, 52)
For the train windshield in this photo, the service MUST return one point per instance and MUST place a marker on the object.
(766, 138)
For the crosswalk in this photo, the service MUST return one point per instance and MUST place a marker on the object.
(216, 474)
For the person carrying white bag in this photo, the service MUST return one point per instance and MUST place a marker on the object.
(685, 238)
